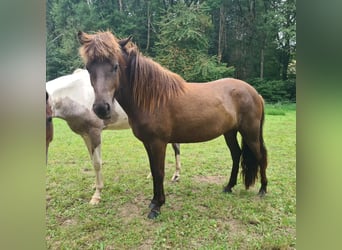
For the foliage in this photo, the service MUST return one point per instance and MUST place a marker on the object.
(197, 214)
(200, 40)
(183, 44)
(206, 69)
(274, 91)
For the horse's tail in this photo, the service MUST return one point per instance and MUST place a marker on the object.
(249, 162)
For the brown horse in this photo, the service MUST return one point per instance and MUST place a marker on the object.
(49, 125)
(163, 108)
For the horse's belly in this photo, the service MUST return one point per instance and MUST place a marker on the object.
(200, 132)
(199, 136)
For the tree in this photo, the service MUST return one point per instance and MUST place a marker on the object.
(183, 44)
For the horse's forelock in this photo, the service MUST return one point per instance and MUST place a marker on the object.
(99, 46)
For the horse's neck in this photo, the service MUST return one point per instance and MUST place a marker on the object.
(125, 103)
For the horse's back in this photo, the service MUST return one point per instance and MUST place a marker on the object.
(221, 105)
(232, 92)
(75, 86)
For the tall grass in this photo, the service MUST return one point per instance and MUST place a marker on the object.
(197, 214)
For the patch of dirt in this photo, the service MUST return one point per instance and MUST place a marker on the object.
(128, 211)
(211, 179)
(133, 209)
(146, 245)
(69, 222)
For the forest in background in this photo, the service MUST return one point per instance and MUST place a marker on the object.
(252, 40)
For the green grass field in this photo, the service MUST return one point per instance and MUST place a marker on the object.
(197, 214)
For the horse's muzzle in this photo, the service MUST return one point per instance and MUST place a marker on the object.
(102, 110)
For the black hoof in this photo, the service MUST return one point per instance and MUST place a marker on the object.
(153, 214)
(262, 193)
(227, 190)
(152, 205)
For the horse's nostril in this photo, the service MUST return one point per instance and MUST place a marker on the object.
(107, 106)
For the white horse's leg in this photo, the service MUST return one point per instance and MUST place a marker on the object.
(95, 155)
(97, 163)
(176, 175)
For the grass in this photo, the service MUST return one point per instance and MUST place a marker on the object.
(197, 214)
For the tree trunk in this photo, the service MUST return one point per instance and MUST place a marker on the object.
(262, 58)
(148, 26)
(285, 59)
(120, 5)
(221, 34)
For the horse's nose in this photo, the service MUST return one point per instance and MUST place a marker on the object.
(102, 110)
(107, 107)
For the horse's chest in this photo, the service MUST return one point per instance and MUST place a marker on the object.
(146, 130)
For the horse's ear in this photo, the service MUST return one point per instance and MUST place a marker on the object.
(123, 42)
(80, 36)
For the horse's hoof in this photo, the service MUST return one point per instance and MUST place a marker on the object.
(175, 178)
(153, 214)
(95, 200)
(152, 205)
(262, 193)
(227, 190)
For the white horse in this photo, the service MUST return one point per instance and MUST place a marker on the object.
(72, 97)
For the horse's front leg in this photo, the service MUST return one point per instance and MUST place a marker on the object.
(156, 154)
(97, 163)
(93, 143)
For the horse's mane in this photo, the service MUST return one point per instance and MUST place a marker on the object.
(152, 85)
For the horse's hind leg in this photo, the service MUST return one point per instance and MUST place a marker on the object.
(95, 155)
(263, 166)
(254, 156)
(176, 175)
(235, 152)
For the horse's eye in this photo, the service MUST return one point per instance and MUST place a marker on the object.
(115, 68)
